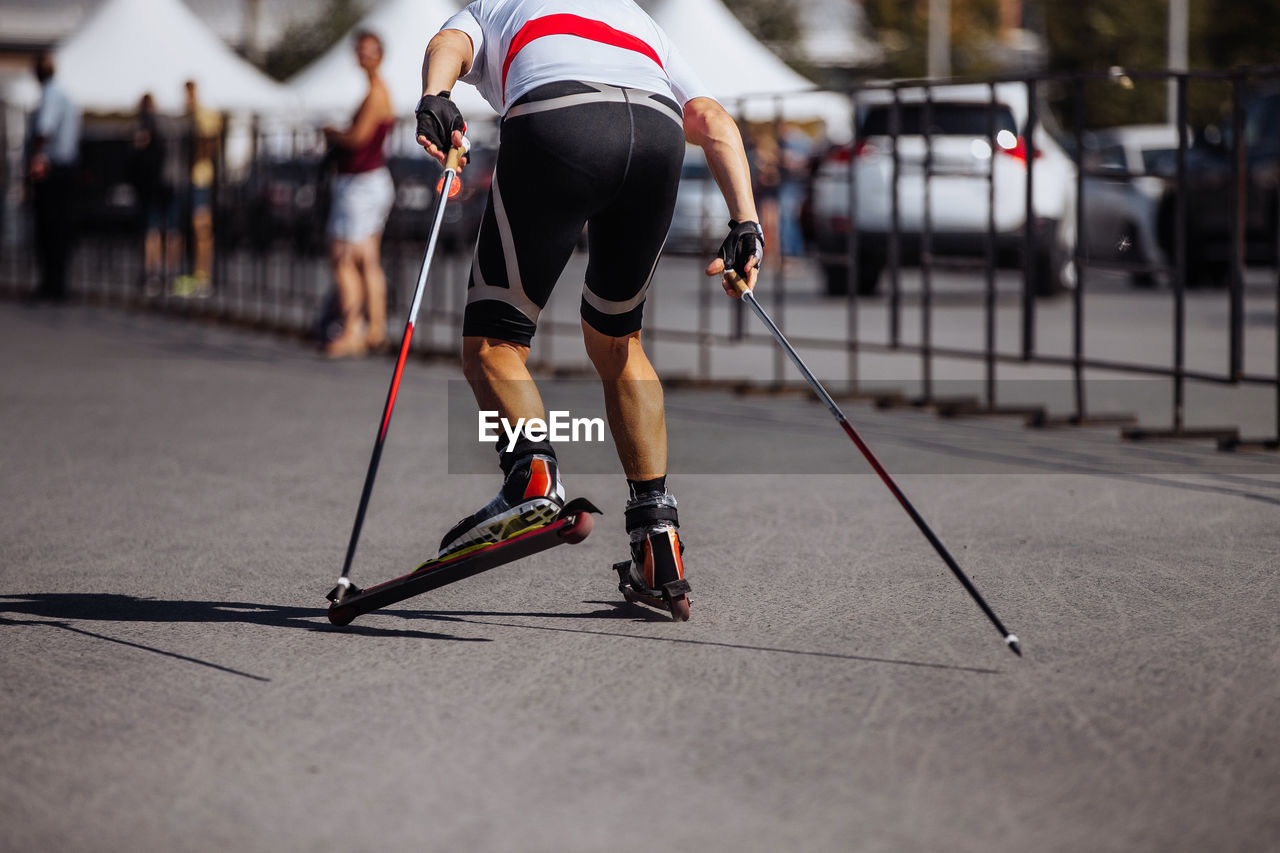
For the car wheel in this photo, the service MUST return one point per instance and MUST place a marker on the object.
(1131, 249)
(835, 281)
(1052, 271)
(1204, 273)
(869, 268)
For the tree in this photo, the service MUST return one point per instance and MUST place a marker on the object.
(1096, 35)
(776, 23)
(903, 27)
(303, 41)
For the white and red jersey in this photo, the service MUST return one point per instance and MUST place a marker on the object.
(522, 44)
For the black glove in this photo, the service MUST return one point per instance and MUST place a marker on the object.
(438, 118)
(745, 241)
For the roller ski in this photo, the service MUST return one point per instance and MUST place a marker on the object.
(654, 576)
(571, 525)
(528, 515)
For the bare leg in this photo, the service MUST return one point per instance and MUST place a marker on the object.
(375, 288)
(499, 379)
(633, 402)
(342, 259)
(530, 495)
(202, 229)
(173, 252)
(151, 252)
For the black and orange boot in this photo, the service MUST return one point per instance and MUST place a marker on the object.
(655, 573)
(532, 496)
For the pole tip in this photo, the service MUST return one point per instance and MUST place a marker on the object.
(1012, 641)
(341, 591)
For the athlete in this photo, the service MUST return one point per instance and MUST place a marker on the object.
(596, 107)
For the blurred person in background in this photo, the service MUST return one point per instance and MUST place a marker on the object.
(766, 177)
(795, 148)
(157, 204)
(362, 197)
(53, 148)
(204, 138)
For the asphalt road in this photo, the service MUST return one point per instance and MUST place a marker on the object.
(175, 503)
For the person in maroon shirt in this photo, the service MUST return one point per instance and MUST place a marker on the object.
(362, 197)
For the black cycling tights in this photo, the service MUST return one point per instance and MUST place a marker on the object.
(575, 154)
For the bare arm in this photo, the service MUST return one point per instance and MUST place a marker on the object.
(375, 109)
(710, 127)
(449, 56)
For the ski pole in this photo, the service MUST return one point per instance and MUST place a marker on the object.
(447, 188)
(737, 283)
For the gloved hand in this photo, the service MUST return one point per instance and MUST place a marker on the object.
(745, 241)
(438, 118)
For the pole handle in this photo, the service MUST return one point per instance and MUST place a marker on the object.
(454, 159)
(737, 282)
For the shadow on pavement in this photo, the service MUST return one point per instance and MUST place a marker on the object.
(635, 612)
(60, 610)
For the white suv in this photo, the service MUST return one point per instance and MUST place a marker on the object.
(964, 150)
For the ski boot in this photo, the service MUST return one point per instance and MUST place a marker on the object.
(655, 573)
(532, 496)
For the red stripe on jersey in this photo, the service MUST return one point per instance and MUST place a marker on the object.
(574, 25)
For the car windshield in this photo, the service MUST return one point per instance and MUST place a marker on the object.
(1159, 161)
(1261, 122)
(945, 119)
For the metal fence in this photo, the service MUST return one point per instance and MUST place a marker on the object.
(1216, 219)
(884, 215)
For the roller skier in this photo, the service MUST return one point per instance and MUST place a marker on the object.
(596, 107)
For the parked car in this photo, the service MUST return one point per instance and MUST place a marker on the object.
(287, 200)
(105, 200)
(964, 149)
(1210, 196)
(1128, 172)
(701, 213)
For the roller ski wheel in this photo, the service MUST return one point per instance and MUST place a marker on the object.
(654, 576)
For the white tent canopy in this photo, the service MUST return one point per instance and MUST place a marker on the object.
(835, 33)
(333, 85)
(740, 72)
(127, 48)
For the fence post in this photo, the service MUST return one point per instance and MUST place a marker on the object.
(895, 223)
(926, 254)
(1077, 304)
(1239, 208)
(1029, 232)
(780, 292)
(989, 252)
(851, 271)
(1180, 243)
